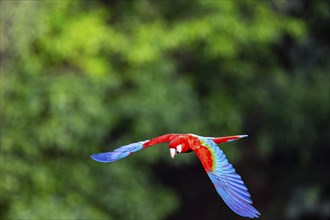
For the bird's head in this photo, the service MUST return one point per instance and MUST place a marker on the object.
(178, 145)
(175, 150)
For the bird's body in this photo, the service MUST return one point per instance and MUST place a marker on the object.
(226, 181)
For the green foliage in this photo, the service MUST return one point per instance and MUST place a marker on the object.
(79, 75)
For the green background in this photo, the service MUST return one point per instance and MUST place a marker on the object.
(82, 77)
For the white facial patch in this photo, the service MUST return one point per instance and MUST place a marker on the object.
(179, 148)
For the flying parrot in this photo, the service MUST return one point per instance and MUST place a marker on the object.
(226, 181)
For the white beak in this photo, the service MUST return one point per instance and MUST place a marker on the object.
(172, 152)
(179, 148)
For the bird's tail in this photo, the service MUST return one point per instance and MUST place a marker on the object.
(220, 140)
(119, 153)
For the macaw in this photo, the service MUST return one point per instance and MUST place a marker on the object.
(226, 181)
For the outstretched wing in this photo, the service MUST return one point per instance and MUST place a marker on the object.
(129, 149)
(226, 181)
(119, 153)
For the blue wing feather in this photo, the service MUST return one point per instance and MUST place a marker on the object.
(119, 153)
(228, 183)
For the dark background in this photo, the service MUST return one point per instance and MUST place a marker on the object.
(81, 77)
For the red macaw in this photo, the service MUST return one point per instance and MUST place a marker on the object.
(226, 181)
